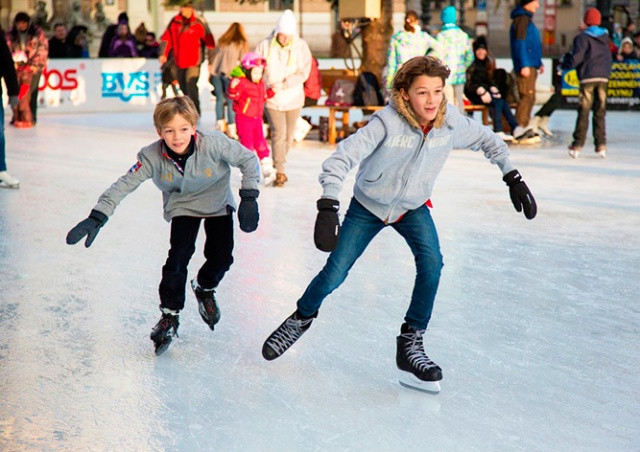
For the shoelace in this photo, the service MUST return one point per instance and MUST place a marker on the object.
(288, 334)
(415, 351)
(168, 324)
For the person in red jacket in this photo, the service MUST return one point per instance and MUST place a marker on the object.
(185, 35)
(249, 93)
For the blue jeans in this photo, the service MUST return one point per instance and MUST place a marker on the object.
(358, 229)
(3, 163)
(499, 108)
(220, 85)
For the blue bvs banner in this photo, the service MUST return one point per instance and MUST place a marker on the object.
(623, 91)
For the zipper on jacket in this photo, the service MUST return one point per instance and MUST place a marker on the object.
(411, 169)
(246, 106)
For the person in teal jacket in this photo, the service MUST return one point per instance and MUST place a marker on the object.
(400, 153)
(192, 170)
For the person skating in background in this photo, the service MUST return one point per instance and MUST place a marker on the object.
(454, 48)
(591, 59)
(30, 49)
(185, 35)
(192, 169)
(288, 67)
(400, 153)
(8, 73)
(407, 43)
(526, 54)
(231, 46)
(480, 88)
(249, 94)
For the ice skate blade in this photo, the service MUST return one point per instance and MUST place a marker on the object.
(410, 381)
(9, 186)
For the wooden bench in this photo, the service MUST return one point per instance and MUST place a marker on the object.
(329, 76)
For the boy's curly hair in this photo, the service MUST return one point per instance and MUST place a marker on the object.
(166, 110)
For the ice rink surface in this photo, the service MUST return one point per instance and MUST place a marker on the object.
(536, 323)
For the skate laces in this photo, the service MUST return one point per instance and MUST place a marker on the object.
(414, 350)
(169, 322)
(290, 332)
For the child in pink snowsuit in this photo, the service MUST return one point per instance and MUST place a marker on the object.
(248, 92)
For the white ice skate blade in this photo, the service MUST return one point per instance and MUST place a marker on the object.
(408, 380)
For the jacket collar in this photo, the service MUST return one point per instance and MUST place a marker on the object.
(404, 109)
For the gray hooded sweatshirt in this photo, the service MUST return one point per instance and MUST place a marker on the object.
(399, 163)
(202, 190)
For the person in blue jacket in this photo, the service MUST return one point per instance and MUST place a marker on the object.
(526, 53)
(591, 58)
(400, 152)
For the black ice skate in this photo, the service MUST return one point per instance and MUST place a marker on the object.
(286, 334)
(417, 371)
(207, 306)
(163, 332)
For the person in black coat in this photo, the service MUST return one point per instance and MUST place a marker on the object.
(8, 73)
(58, 44)
(480, 88)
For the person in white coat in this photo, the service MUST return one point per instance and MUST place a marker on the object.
(288, 67)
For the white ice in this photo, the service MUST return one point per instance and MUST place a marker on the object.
(536, 323)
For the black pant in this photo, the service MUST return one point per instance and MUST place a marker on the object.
(33, 90)
(188, 80)
(218, 247)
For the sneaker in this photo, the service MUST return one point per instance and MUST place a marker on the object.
(520, 132)
(601, 151)
(232, 131)
(162, 334)
(504, 136)
(543, 124)
(207, 306)
(8, 181)
(286, 335)
(574, 151)
(411, 359)
(281, 178)
(221, 125)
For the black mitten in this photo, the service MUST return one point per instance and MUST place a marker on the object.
(521, 196)
(89, 227)
(327, 229)
(248, 211)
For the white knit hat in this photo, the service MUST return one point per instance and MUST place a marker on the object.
(287, 24)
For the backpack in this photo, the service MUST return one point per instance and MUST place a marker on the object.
(341, 93)
(367, 91)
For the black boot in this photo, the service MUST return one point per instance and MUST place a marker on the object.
(286, 335)
(163, 332)
(410, 356)
(207, 306)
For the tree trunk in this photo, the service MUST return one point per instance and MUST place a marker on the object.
(375, 41)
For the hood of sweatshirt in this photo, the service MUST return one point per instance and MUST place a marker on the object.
(520, 11)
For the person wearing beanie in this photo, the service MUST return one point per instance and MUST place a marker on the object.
(481, 88)
(185, 37)
(526, 54)
(407, 43)
(591, 58)
(454, 48)
(109, 33)
(288, 67)
(626, 50)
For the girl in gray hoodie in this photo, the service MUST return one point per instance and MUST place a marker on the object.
(400, 152)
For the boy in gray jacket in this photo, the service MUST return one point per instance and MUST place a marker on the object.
(400, 153)
(192, 169)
